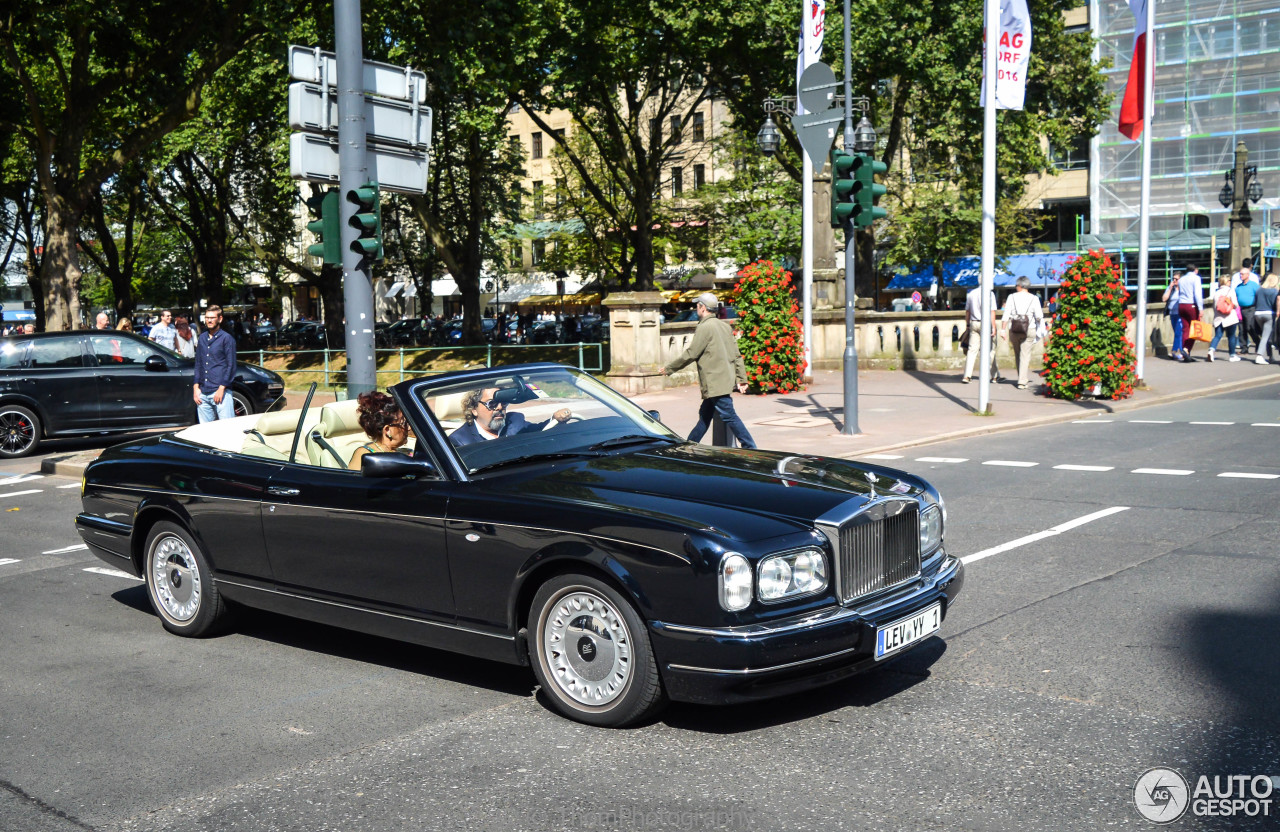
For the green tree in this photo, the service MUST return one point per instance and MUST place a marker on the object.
(101, 83)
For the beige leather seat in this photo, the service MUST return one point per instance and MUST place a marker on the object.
(332, 442)
(271, 437)
(448, 410)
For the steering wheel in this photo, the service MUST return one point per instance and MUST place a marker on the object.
(552, 422)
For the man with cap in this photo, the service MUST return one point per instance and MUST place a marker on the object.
(720, 370)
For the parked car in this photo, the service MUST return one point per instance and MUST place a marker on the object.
(624, 564)
(488, 332)
(264, 335)
(305, 335)
(60, 384)
(545, 332)
(408, 332)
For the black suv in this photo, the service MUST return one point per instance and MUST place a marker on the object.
(93, 381)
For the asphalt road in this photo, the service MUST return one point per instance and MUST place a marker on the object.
(1148, 635)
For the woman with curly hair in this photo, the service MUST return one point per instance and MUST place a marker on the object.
(384, 422)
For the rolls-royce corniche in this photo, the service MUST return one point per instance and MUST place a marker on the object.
(576, 535)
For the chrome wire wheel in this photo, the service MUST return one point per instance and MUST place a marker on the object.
(19, 431)
(586, 645)
(175, 578)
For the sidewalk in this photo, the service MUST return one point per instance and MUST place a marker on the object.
(896, 408)
(899, 409)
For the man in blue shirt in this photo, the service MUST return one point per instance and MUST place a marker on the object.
(215, 368)
(1245, 282)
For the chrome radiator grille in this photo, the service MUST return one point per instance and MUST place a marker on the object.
(879, 549)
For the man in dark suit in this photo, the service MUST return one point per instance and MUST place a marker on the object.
(487, 418)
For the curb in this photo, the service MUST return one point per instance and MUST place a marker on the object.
(1041, 421)
(68, 465)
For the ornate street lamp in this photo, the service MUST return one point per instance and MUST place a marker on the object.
(864, 137)
(768, 139)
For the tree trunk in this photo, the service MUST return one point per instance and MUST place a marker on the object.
(330, 282)
(642, 239)
(60, 269)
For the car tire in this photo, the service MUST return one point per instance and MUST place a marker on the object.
(608, 675)
(243, 404)
(180, 584)
(20, 431)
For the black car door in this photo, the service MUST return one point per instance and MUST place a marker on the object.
(57, 379)
(135, 394)
(377, 543)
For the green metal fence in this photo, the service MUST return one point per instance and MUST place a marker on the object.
(589, 357)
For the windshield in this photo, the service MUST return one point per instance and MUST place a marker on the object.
(539, 414)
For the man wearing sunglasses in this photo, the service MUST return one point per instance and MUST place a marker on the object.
(487, 418)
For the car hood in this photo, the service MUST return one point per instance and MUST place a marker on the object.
(742, 494)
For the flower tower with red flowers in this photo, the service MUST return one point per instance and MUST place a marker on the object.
(772, 341)
(1088, 352)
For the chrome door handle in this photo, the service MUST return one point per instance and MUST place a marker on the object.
(281, 491)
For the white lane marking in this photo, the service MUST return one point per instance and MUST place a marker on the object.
(73, 485)
(1011, 463)
(882, 456)
(1093, 421)
(7, 561)
(66, 549)
(1265, 425)
(1151, 421)
(107, 570)
(951, 459)
(1085, 467)
(20, 493)
(1244, 476)
(14, 479)
(1210, 423)
(1032, 538)
(1171, 472)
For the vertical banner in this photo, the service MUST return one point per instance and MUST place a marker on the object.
(1132, 108)
(1013, 54)
(813, 25)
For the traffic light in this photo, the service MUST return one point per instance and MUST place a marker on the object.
(367, 220)
(325, 224)
(842, 187)
(867, 192)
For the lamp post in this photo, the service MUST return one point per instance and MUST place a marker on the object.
(1241, 186)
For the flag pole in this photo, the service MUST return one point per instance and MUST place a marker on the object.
(1144, 216)
(992, 12)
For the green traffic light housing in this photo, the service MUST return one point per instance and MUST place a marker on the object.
(367, 221)
(325, 224)
(866, 192)
(842, 187)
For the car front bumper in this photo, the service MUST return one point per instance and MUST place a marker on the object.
(740, 664)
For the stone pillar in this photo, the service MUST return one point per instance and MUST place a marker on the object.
(635, 342)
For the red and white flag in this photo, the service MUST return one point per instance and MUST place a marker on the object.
(813, 26)
(1131, 115)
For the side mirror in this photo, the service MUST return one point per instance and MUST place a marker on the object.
(156, 364)
(657, 417)
(395, 465)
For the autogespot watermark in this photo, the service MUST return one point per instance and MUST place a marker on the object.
(1162, 795)
(640, 817)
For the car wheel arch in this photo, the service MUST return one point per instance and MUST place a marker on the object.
(541, 572)
(148, 514)
(30, 404)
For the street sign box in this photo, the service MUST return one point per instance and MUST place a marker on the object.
(307, 63)
(390, 122)
(315, 158)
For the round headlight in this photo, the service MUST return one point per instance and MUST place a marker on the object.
(775, 578)
(735, 582)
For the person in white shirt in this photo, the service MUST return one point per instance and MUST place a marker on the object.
(1021, 325)
(973, 322)
(1190, 301)
(163, 333)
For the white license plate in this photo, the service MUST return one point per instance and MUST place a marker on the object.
(907, 631)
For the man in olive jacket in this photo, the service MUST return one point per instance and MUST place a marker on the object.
(720, 370)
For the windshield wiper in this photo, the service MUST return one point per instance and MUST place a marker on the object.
(632, 439)
(531, 458)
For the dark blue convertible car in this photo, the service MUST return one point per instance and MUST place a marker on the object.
(625, 565)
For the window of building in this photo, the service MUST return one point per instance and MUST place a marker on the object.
(677, 137)
(655, 132)
(699, 176)
(677, 181)
(539, 252)
(515, 256)
(514, 142)
(1060, 222)
(535, 146)
(1073, 157)
(561, 192)
(699, 128)
(538, 200)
